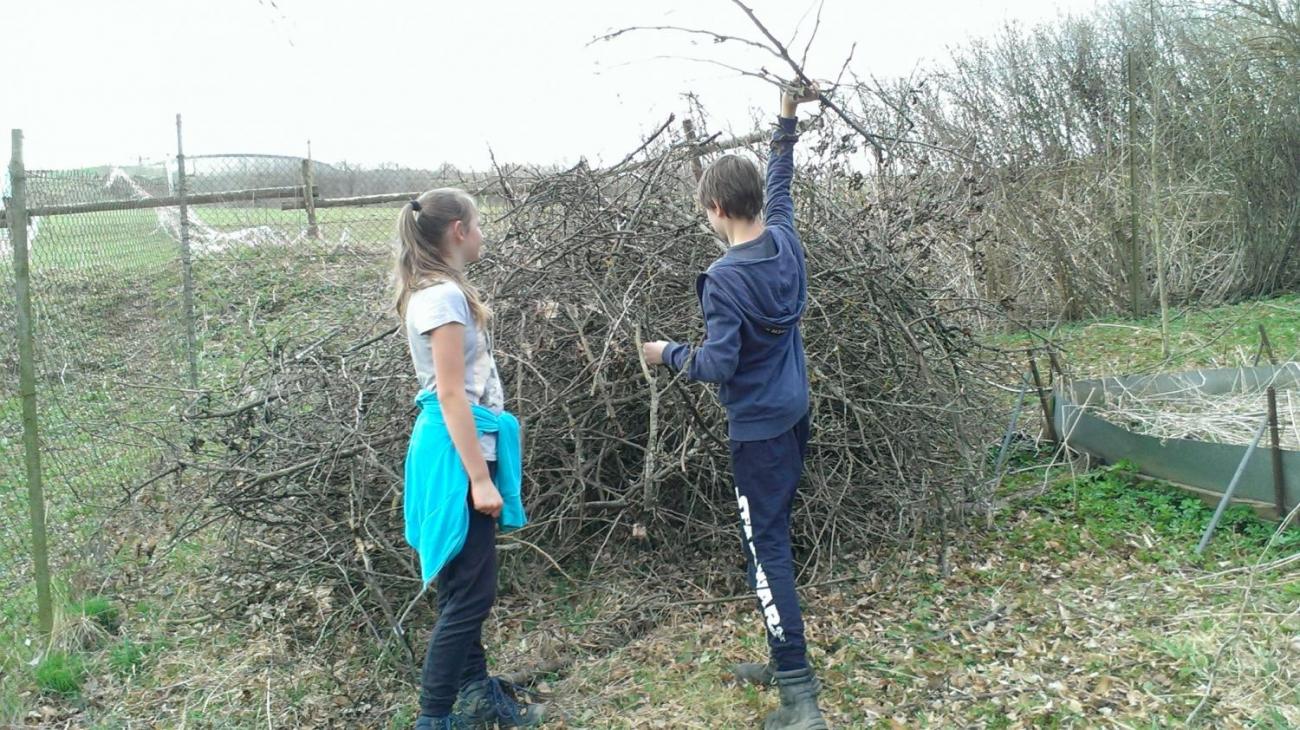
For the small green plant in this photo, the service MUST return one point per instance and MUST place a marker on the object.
(1273, 719)
(12, 707)
(101, 611)
(61, 673)
(1115, 503)
(129, 656)
(995, 717)
(403, 718)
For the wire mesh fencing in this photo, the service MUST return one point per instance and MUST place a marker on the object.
(155, 287)
(104, 323)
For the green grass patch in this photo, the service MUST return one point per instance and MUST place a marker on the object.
(1113, 508)
(1226, 336)
(128, 657)
(61, 673)
(101, 611)
(12, 705)
(404, 718)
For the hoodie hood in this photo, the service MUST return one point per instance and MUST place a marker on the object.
(769, 289)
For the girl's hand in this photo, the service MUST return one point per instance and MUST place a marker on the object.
(486, 498)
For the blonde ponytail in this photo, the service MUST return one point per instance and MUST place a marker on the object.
(419, 262)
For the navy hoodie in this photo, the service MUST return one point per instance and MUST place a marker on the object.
(752, 299)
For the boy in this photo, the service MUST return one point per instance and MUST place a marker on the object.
(752, 299)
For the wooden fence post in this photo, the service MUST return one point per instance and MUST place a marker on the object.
(1265, 346)
(309, 199)
(697, 168)
(1279, 490)
(17, 219)
(1048, 421)
(187, 264)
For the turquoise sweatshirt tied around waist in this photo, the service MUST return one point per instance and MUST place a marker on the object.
(436, 499)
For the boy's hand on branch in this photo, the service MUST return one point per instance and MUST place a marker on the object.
(792, 95)
(653, 352)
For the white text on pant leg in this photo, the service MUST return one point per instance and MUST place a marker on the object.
(771, 616)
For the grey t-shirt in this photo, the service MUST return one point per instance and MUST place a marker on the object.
(444, 303)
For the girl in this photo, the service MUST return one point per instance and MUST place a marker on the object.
(462, 465)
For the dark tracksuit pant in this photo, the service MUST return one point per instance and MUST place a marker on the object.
(767, 475)
(467, 587)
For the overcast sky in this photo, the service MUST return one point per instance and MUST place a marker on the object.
(424, 82)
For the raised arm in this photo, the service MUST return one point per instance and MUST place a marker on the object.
(779, 208)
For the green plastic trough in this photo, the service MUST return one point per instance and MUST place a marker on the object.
(1199, 466)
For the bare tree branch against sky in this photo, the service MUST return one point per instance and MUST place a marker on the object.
(427, 83)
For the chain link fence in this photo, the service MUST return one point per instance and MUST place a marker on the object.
(104, 326)
(154, 287)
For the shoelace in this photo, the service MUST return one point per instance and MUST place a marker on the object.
(503, 694)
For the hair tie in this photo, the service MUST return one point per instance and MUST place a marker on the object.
(415, 205)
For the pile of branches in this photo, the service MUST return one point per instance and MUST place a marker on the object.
(587, 264)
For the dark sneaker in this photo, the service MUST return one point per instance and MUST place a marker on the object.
(494, 702)
(450, 722)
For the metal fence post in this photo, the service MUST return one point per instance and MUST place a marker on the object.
(1232, 487)
(17, 218)
(187, 269)
(1279, 486)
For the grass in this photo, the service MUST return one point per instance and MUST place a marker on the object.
(61, 674)
(106, 290)
(1226, 336)
(89, 246)
(129, 656)
(1103, 617)
(101, 611)
(1108, 616)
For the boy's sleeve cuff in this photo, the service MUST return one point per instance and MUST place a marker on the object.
(674, 354)
(787, 130)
